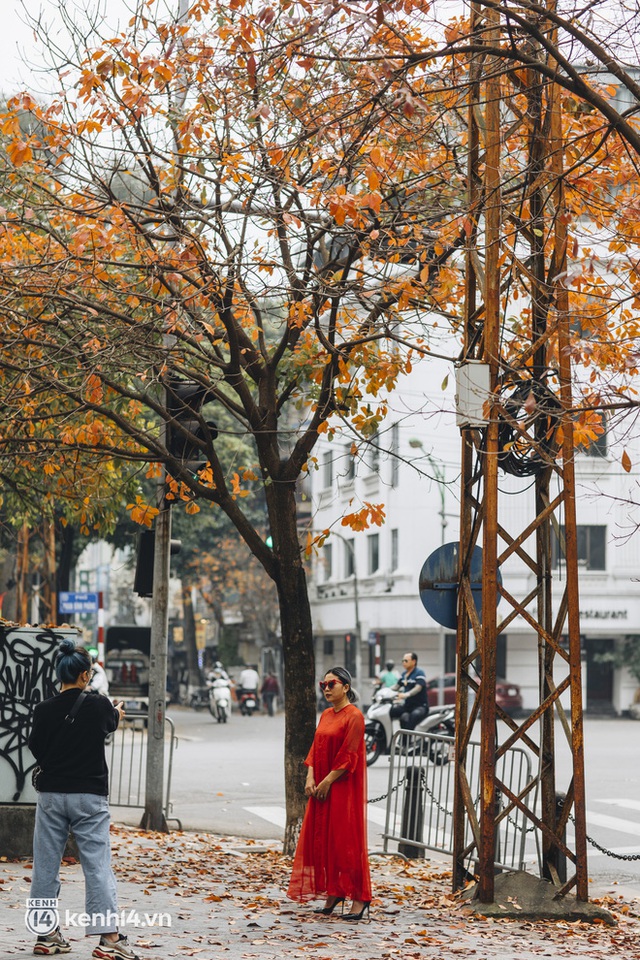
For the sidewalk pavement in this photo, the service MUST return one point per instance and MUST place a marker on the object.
(225, 900)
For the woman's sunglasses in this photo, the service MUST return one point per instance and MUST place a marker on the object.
(328, 684)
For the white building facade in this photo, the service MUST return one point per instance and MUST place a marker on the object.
(365, 583)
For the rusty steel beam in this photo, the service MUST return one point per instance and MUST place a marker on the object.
(463, 807)
(539, 227)
(571, 540)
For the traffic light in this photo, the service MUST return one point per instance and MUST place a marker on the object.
(143, 580)
(187, 432)
(350, 644)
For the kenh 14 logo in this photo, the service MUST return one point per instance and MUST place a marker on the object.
(42, 916)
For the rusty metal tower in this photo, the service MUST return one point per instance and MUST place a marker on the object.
(517, 240)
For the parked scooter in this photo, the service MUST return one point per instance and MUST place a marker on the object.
(220, 699)
(199, 698)
(379, 727)
(248, 702)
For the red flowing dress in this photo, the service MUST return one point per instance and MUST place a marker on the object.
(331, 856)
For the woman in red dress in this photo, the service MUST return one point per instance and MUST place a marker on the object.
(331, 858)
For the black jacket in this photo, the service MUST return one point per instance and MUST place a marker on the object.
(72, 754)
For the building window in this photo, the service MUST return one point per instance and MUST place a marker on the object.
(374, 453)
(327, 560)
(350, 463)
(327, 470)
(349, 558)
(501, 656)
(395, 454)
(394, 549)
(450, 653)
(591, 547)
(373, 550)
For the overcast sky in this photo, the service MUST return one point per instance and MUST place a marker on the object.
(17, 42)
(20, 54)
(13, 34)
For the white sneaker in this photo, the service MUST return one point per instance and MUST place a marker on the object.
(114, 949)
(53, 943)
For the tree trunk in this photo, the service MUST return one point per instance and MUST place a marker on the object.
(66, 537)
(49, 597)
(8, 608)
(298, 656)
(195, 674)
(22, 566)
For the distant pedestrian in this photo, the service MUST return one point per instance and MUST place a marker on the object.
(269, 691)
(99, 680)
(67, 740)
(389, 676)
(331, 859)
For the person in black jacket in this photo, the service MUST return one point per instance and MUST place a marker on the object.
(73, 789)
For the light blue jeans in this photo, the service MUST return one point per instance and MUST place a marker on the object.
(88, 816)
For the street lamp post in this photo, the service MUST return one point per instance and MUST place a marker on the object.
(439, 476)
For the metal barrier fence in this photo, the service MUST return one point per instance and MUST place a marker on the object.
(420, 797)
(127, 762)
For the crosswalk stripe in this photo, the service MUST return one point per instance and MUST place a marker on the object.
(613, 823)
(278, 815)
(377, 816)
(628, 804)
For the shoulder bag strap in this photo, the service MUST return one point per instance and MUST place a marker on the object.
(71, 716)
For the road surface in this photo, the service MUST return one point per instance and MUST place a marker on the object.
(228, 779)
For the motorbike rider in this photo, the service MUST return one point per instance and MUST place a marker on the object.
(218, 673)
(99, 680)
(411, 704)
(388, 677)
(248, 681)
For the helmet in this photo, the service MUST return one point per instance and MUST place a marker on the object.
(389, 665)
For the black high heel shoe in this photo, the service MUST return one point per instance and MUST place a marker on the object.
(326, 911)
(354, 917)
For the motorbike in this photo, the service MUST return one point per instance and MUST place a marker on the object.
(199, 698)
(219, 699)
(248, 702)
(379, 727)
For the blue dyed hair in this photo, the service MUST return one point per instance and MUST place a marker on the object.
(71, 661)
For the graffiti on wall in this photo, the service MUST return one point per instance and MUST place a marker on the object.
(26, 677)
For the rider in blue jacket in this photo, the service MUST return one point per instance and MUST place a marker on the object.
(411, 705)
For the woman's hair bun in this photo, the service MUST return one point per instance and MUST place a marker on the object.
(71, 661)
(68, 645)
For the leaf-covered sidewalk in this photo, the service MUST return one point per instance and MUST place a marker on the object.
(225, 899)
